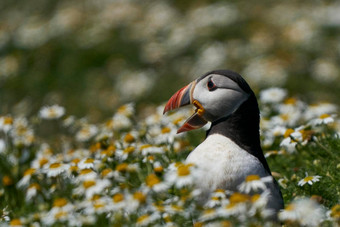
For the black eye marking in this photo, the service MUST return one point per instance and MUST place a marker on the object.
(211, 86)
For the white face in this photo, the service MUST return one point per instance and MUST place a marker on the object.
(219, 96)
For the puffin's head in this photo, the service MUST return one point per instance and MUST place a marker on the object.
(216, 95)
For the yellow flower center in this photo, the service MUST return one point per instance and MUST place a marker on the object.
(284, 117)
(95, 147)
(75, 161)
(106, 171)
(238, 198)
(85, 171)
(288, 132)
(255, 197)
(55, 165)
(335, 211)
(142, 218)
(35, 185)
(89, 183)
(74, 168)
(215, 198)
(166, 130)
(198, 224)
(129, 138)
(183, 170)
(290, 207)
(290, 101)
(60, 214)
(158, 169)
(60, 202)
(109, 123)
(219, 190)
(151, 180)
(178, 120)
(145, 146)
(29, 171)
(122, 167)
(129, 150)
(42, 162)
(95, 197)
(309, 178)
(118, 197)
(8, 121)
(176, 207)
(323, 116)
(122, 109)
(15, 222)
(139, 196)
(7, 180)
(98, 205)
(209, 211)
(252, 178)
(89, 161)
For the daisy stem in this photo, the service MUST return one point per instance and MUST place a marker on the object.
(327, 150)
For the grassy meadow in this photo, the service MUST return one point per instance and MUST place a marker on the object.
(83, 138)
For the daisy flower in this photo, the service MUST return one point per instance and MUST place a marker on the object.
(135, 200)
(258, 205)
(68, 121)
(309, 180)
(32, 191)
(150, 149)
(147, 219)
(334, 212)
(323, 119)
(51, 112)
(181, 174)
(4, 215)
(209, 215)
(237, 206)
(294, 136)
(216, 198)
(86, 174)
(283, 182)
(118, 202)
(6, 123)
(127, 109)
(86, 132)
(305, 212)
(273, 95)
(92, 187)
(317, 110)
(55, 169)
(18, 222)
(96, 205)
(254, 183)
(21, 133)
(61, 211)
(123, 154)
(26, 178)
(154, 183)
(88, 163)
(120, 121)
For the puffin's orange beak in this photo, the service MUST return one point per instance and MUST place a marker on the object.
(184, 97)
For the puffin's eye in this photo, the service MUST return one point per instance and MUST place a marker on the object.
(210, 84)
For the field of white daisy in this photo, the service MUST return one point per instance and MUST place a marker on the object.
(83, 138)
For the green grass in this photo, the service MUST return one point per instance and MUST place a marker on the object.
(317, 155)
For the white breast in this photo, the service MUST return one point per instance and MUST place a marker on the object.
(223, 164)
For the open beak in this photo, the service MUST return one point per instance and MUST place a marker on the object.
(184, 97)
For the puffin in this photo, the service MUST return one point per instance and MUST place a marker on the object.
(231, 150)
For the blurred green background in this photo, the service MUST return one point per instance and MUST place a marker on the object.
(91, 56)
